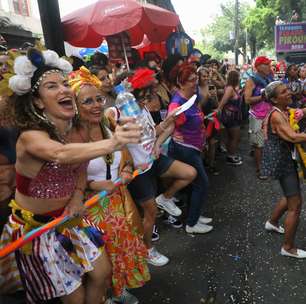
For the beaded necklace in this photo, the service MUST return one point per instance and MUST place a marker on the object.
(108, 158)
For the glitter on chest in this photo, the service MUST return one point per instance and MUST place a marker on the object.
(54, 181)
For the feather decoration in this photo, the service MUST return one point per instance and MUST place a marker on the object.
(36, 57)
(142, 78)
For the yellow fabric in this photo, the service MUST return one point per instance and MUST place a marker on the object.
(131, 211)
(9, 72)
(27, 216)
(295, 126)
(81, 77)
(30, 223)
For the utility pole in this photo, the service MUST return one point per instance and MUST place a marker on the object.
(236, 46)
(51, 25)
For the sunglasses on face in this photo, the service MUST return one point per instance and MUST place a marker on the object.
(90, 101)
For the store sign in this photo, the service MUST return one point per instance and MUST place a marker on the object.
(290, 37)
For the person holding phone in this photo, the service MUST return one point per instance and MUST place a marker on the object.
(209, 103)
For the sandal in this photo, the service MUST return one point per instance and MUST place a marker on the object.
(260, 176)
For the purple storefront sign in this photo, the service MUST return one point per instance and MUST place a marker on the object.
(290, 37)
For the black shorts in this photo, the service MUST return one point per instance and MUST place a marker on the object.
(144, 186)
(232, 124)
(290, 184)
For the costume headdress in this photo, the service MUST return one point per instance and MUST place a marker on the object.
(31, 69)
(83, 77)
(142, 78)
(7, 71)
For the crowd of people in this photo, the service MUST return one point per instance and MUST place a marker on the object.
(64, 140)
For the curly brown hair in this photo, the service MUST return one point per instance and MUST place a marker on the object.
(7, 118)
(29, 117)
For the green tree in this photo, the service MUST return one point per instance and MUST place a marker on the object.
(260, 20)
(207, 47)
(218, 36)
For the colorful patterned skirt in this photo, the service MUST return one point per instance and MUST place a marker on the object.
(53, 264)
(123, 243)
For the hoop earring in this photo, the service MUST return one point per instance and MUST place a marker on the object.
(76, 110)
(41, 117)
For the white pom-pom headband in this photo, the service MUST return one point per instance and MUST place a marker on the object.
(30, 70)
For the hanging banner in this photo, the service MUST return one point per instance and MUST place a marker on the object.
(290, 37)
(179, 43)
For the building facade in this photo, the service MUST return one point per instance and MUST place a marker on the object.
(18, 23)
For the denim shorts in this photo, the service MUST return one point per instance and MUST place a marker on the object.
(290, 184)
(144, 186)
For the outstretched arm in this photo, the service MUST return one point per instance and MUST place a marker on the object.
(283, 129)
(40, 145)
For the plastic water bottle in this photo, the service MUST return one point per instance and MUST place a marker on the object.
(128, 107)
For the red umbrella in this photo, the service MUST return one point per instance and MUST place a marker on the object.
(86, 27)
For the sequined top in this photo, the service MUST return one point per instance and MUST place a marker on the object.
(54, 181)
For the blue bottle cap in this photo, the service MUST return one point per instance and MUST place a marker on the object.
(119, 88)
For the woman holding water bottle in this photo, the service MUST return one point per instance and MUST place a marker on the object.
(143, 187)
(116, 214)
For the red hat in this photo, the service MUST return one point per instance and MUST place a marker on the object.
(261, 60)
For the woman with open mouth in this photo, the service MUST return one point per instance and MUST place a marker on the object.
(67, 262)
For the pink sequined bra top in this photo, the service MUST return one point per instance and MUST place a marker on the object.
(54, 181)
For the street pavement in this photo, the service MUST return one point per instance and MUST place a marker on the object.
(238, 262)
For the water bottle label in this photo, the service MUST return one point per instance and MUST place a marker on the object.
(130, 109)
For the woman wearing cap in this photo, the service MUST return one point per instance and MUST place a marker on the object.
(278, 162)
(143, 187)
(259, 107)
(50, 180)
(123, 242)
